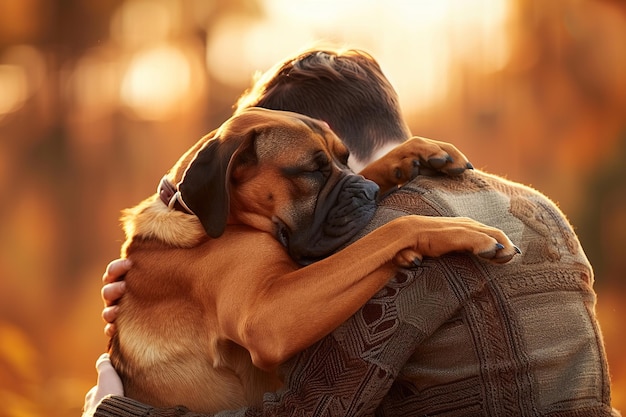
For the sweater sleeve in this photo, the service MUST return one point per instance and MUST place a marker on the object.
(117, 406)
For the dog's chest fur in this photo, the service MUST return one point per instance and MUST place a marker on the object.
(164, 337)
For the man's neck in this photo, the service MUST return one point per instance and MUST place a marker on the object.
(357, 165)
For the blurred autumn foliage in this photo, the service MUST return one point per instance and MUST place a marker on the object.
(98, 99)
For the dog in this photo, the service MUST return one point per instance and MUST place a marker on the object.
(232, 264)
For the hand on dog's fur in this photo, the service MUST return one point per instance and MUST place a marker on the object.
(416, 156)
(440, 235)
(112, 291)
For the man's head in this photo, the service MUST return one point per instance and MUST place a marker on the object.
(346, 89)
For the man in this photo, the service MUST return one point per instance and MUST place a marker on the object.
(456, 336)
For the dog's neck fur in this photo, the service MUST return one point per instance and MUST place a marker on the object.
(152, 219)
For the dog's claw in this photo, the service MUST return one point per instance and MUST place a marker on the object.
(469, 165)
(455, 171)
(416, 169)
(499, 257)
(436, 163)
(417, 262)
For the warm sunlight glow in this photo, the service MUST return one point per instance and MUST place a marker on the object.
(22, 71)
(421, 44)
(157, 81)
(141, 22)
(94, 83)
(239, 46)
(14, 87)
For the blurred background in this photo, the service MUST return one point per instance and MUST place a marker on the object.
(99, 98)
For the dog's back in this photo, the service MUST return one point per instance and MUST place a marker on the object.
(165, 350)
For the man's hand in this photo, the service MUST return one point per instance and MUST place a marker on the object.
(112, 291)
(109, 383)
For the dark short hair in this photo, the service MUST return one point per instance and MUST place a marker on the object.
(347, 89)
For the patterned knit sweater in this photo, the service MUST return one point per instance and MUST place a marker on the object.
(457, 336)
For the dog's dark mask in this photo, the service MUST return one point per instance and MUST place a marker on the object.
(342, 213)
(344, 205)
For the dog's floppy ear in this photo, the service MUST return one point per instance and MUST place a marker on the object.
(204, 187)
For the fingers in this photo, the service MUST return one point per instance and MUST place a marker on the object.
(111, 293)
(112, 290)
(110, 329)
(116, 270)
(109, 314)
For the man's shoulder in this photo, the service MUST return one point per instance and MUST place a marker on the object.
(446, 195)
(473, 181)
(487, 198)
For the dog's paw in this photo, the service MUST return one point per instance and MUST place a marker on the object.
(416, 156)
(408, 258)
(500, 253)
(436, 236)
(430, 157)
(405, 170)
(490, 244)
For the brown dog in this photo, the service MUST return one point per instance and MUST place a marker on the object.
(217, 299)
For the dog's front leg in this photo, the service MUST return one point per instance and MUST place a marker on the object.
(288, 309)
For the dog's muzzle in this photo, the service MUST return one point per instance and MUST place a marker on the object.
(337, 218)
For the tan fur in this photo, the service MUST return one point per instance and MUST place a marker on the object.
(204, 322)
(152, 219)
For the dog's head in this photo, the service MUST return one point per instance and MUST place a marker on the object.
(282, 173)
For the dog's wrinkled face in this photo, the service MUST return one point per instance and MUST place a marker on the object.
(282, 173)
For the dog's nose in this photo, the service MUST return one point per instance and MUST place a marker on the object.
(361, 188)
(371, 189)
(338, 218)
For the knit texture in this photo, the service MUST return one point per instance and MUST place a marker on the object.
(459, 336)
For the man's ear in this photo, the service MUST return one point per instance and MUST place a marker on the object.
(205, 184)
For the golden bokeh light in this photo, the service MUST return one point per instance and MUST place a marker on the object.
(14, 87)
(158, 82)
(142, 22)
(93, 86)
(22, 70)
(237, 46)
(420, 44)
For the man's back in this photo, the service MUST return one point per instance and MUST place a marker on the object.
(515, 339)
